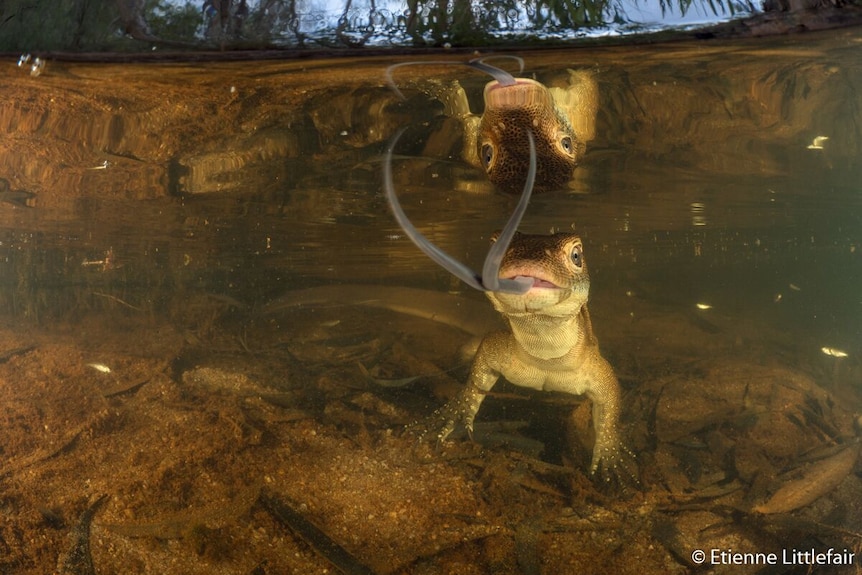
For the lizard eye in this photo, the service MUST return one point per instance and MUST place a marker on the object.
(578, 256)
(487, 155)
(566, 144)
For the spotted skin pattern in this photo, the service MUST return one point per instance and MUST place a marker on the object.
(561, 118)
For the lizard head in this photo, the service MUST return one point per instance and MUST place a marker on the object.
(556, 266)
(510, 109)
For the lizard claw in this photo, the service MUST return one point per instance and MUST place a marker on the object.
(444, 430)
(444, 420)
(615, 469)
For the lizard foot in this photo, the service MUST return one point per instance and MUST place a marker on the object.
(440, 424)
(615, 469)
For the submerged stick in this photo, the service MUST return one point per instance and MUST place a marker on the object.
(337, 555)
(815, 481)
(469, 315)
(489, 279)
(78, 560)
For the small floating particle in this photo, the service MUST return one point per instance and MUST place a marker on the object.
(703, 306)
(834, 352)
(777, 298)
(37, 67)
(817, 143)
(795, 287)
(100, 367)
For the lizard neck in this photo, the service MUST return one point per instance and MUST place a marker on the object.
(547, 336)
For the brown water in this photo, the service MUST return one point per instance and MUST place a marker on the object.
(200, 229)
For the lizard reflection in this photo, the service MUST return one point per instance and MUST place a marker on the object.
(540, 286)
(562, 119)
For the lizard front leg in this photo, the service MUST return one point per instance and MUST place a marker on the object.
(464, 406)
(455, 105)
(611, 460)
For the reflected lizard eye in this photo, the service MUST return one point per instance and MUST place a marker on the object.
(566, 144)
(487, 155)
(578, 256)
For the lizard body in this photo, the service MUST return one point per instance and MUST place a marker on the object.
(549, 345)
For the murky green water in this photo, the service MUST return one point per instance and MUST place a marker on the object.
(702, 170)
(720, 206)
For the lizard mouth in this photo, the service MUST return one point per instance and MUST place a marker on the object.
(538, 282)
(523, 93)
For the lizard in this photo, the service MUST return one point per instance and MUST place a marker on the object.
(549, 344)
(540, 285)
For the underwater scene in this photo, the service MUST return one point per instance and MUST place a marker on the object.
(243, 327)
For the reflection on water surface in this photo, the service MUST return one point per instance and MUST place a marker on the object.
(183, 329)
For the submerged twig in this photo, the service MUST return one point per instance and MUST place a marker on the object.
(118, 300)
(44, 453)
(7, 355)
(126, 387)
(78, 560)
(178, 525)
(337, 555)
(816, 480)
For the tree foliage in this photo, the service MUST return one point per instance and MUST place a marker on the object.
(93, 25)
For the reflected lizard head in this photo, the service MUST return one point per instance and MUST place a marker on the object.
(500, 146)
(561, 119)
